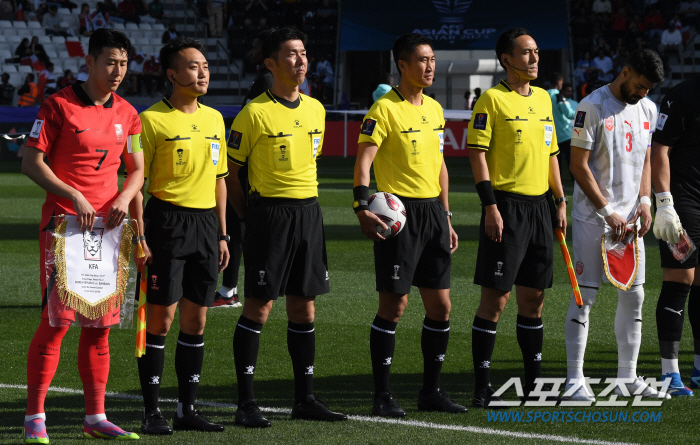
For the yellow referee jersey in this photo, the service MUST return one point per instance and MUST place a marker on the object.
(183, 154)
(281, 144)
(410, 140)
(518, 133)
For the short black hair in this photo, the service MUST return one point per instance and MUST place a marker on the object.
(271, 45)
(174, 46)
(5, 76)
(505, 42)
(263, 35)
(406, 45)
(108, 38)
(554, 78)
(566, 85)
(647, 63)
(29, 77)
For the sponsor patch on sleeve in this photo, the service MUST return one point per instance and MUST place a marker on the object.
(368, 127)
(661, 121)
(36, 129)
(580, 120)
(480, 120)
(234, 140)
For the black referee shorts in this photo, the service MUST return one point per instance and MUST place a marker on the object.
(524, 255)
(691, 224)
(284, 249)
(420, 254)
(185, 249)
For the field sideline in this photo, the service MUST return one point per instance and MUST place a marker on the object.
(343, 369)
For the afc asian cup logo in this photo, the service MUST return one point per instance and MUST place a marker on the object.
(455, 9)
(92, 244)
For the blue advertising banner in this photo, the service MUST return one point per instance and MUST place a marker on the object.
(370, 25)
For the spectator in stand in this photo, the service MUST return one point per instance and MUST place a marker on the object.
(676, 21)
(64, 4)
(601, 43)
(153, 75)
(563, 113)
(477, 95)
(110, 11)
(690, 11)
(671, 42)
(155, 9)
(604, 65)
(653, 24)
(34, 49)
(136, 74)
(67, 80)
(467, 96)
(49, 80)
(618, 23)
(602, 7)
(82, 75)
(7, 11)
(216, 10)
(619, 61)
(581, 31)
(7, 91)
(28, 93)
(324, 71)
(143, 12)
(21, 50)
(169, 33)
(85, 21)
(51, 22)
(127, 10)
(256, 11)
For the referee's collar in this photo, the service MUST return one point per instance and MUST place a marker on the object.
(84, 98)
(507, 87)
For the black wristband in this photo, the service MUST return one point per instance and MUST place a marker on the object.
(485, 192)
(361, 198)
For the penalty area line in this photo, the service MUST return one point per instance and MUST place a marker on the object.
(413, 423)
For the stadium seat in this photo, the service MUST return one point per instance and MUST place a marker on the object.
(9, 69)
(5, 24)
(24, 69)
(44, 40)
(158, 27)
(133, 35)
(58, 39)
(19, 24)
(72, 39)
(140, 41)
(34, 25)
(51, 53)
(13, 38)
(7, 32)
(148, 50)
(29, 33)
(64, 25)
(145, 27)
(5, 54)
(63, 54)
(51, 46)
(16, 79)
(7, 46)
(3, 38)
(132, 26)
(64, 11)
(155, 41)
(118, 26)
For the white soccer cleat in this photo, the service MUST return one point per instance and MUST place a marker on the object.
(638, 387)
(580, 395)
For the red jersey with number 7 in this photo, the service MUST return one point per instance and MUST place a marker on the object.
(83, 143)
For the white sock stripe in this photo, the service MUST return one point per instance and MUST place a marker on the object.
(383, 330)
(530, 327)
(483, 330)
(247, 328)
(191, 345)
(435, 329)
(300, 332)
(148, 345)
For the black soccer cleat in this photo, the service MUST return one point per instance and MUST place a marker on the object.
(195, 421)
(154, 423)
(249, 416)
(385, 405)
(314, 409)
(439, 401)
(483, 398)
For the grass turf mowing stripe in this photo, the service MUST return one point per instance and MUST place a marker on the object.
(413, 423)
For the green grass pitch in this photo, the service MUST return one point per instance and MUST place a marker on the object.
(343, 369)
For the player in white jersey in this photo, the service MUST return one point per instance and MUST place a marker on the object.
(610, 148)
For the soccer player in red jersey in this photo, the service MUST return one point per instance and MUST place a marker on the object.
(83, 131)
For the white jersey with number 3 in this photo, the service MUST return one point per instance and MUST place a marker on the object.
(618, 136)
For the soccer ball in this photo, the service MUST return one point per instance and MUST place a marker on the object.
(390, 210)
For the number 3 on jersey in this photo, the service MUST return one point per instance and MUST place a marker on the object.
(628, 142)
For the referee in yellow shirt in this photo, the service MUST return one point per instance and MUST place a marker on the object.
(403, 135)
(280, 133)
(185, 229)
(513, 150)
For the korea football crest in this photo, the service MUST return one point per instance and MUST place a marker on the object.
(215, 148)
(92, 244)
(119, 133)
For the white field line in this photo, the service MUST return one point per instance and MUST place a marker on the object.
(413, 423)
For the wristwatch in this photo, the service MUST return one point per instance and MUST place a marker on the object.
(449, 214)
(226, 238)
(560, 200)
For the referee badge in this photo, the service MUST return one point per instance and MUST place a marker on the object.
(368, 126)
(548, 133)
(480, 121)
(215, 146)
(317, 143)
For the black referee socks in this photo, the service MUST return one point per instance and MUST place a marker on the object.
(381, 346)
(246, 343)
(151, 370)
(530, 339)
(189, 357)
(483, 341)
(301, 344)
(433, 343)
(670, 316)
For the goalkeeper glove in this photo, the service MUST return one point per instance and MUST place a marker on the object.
(667, 225)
